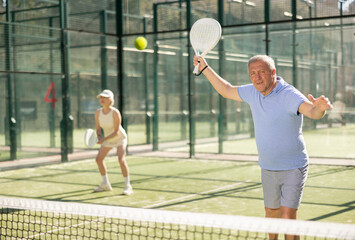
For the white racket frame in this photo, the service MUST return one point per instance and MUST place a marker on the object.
(90, 138)
(199, 44)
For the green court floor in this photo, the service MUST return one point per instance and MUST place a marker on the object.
(207, 186)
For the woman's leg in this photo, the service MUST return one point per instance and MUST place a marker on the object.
(121, 153)
(100, 160)
(105, 185)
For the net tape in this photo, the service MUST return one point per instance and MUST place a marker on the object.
(240, 223)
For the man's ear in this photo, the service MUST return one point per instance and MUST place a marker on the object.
(273, 72)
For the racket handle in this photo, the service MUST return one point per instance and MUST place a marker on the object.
(196, 71)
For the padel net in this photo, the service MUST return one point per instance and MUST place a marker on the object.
(39, 219)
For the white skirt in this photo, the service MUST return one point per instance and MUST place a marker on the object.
(119, 140)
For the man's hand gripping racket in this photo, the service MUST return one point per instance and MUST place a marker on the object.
(204, 36)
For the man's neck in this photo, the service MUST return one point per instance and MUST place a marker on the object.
(272, 86)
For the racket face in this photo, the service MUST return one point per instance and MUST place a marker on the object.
(204, 35)
(90, 138)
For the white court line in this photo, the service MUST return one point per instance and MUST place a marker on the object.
(194, 195)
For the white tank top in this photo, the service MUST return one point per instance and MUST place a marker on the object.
(106, 123)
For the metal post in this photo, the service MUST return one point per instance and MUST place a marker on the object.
(311, 30)
(343, 69)
(120, 56)
(337, 70)
(78, 83)
(146, 90)
(191, 86)
(103, 42)
(229, 15)
(342, 34)
(51, 112)
(243, 11)
(16, 86)
(267, 20)
(183, 122)
(155, 83)
(66, 124)
(11, 121)
(222, 120)
(294, 59)
(184, 113)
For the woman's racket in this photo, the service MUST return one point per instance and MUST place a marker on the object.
(204, 36)
(90, 138)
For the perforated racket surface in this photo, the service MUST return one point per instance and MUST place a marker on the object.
(204, 36)
(90, 138)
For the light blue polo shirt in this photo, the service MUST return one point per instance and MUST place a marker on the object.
(278, 125)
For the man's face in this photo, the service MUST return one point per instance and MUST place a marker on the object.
(261, 77)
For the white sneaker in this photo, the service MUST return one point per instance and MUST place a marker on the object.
(128, 190)
(103, 187)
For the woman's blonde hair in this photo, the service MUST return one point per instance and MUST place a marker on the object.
(112, 101)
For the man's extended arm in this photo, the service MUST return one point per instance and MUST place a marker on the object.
(220, 85)
(316, 108)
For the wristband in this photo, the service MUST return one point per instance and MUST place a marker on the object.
(202, 70)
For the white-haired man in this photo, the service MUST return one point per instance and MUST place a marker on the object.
(277, 109)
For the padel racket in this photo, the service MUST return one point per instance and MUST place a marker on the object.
(204, 36)
(90, 138)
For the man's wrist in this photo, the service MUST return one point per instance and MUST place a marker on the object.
(203, 69)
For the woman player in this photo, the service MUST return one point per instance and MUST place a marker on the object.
(109, 119)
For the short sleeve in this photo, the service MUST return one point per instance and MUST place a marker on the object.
(245, 92)
(295, 98)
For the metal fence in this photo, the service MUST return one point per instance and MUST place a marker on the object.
(57, 55)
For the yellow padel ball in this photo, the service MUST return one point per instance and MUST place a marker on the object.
(140, 43)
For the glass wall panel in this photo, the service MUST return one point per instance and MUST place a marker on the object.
(163, 102)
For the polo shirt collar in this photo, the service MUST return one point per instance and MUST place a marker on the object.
(280, 84)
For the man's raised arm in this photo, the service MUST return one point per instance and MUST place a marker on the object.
(220, 85)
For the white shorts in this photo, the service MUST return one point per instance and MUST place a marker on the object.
(117, 141)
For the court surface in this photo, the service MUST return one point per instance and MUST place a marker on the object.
(207, 186)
